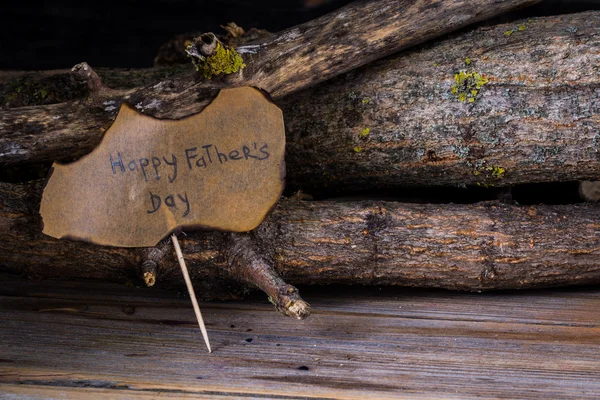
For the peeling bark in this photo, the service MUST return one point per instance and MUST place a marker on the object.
(247, 265)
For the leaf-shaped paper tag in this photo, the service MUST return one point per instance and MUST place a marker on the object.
(220, 169)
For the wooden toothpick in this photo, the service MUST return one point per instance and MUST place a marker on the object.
(190, 288)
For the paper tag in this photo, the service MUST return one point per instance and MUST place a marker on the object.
(221, 169)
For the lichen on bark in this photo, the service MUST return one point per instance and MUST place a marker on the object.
(212, 58)
(468, 85)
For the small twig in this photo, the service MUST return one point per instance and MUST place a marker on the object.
(153, 259)
(191, 292)
(248, 265)
(83, 73)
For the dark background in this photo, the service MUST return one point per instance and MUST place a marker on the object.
(125, 33)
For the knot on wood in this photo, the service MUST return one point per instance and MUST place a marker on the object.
(377, 221)
(205, 44)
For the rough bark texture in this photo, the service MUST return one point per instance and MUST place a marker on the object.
(249, 266)
(397, 122)
(466, 247)
(292, 60)
(530, 90)
(536, 120)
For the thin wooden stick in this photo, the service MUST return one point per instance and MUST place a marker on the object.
(190, 289)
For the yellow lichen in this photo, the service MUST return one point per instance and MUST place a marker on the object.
(365, 132)
(497, 172)
(223, 61)
(522, 27)
(358, 149)
(467, 85)
(468, 61)
(508, 33)
(366, 101)
(492, 171)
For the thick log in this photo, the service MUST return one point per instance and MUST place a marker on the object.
(290, 61)
(397, 122)
(465, 247)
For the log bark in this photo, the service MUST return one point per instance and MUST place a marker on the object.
(476, 247)
(292, 60)
(397, 122)
(464, 247)
(536, 120)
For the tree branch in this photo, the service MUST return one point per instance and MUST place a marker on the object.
(290, 61)
(536, 120)
(246, 264)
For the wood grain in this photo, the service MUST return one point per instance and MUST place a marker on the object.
(74, 340)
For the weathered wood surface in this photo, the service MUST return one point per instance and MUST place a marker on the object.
(73, 340)
(396, 121)
(454, 246)
(535, 121)
(292, 60)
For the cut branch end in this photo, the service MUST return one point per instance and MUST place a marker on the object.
(213, 58)
(248, 265)
(83, 73)
(289, 303)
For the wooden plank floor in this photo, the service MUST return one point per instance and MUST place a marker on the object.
(75, 340)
